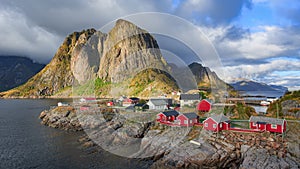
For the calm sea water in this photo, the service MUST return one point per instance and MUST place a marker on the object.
(25, 143)
(260, 109)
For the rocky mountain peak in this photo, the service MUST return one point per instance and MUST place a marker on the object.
(124, 55)
(204, 76)
(128, 50)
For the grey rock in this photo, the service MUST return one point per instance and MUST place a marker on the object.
(128, 50)
(86, 56)
(244, 148)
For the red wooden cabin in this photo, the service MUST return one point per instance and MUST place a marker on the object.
(268, 124)
(187, 119)
(130, 101)
(216, 123)
(167, 116)
(204, 106)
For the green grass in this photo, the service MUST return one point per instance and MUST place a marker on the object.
(272, 110)
(95, 87)
(244, 125)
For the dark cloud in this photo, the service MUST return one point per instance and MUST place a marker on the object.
(36, 28)
(212, 12)
(228, 61)
(177, 48)
(64, 17)
(236, 33)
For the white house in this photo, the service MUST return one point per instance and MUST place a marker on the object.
(189, 99)
(157, 104)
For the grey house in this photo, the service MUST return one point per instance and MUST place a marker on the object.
(157, 104)
(189, 99)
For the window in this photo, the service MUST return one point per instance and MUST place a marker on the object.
(214, 126)
(220, 125)
(185, 122)
(191, 121)
(206, 124)
(273, 126)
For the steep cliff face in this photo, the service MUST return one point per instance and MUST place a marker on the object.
(128, 50)
(127, 56)
(56, 75)
(205, 77)
(86, 56)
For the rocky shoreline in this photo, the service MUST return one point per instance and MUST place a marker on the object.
(136, 135)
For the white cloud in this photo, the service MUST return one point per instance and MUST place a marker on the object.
(36, 28)
(20, 38)
(265, 72)
(266, 42)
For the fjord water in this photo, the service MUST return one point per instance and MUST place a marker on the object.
(25, 143)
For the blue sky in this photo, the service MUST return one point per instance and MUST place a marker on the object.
(255, 39)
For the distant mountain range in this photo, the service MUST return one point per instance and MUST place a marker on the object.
(255, 88)
(125, 61)
(16, 70)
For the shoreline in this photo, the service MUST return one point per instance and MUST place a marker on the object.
(112, 131)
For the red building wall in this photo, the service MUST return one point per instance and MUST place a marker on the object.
(218, 126)
(204, 106)
(225, 126)
(278, 128)
(208, 124)
(161, 117)
(190, 122)
(258, 126)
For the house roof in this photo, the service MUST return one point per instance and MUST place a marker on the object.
(171, 113)
(131, 107)
(139, 105)
(207, 100)
(134, 98)
(158, 102)
(190, 115)
(269, 120)
(219, 118)
(122, 98)
(190, 97)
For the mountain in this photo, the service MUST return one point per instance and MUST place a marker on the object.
(205, 77)
(248, 85)
(125, 61)
(16, 70)
(55, 76)
(116, 57)
(257, 88)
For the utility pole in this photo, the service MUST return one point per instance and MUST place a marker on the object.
(277, 110)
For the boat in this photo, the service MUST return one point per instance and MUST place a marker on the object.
(264, 103)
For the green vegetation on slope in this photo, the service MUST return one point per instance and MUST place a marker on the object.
(95, 87)
(277, 105)
(239, 111)
(152, 82)
(55, 76)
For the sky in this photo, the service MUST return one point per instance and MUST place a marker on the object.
(255, 39)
